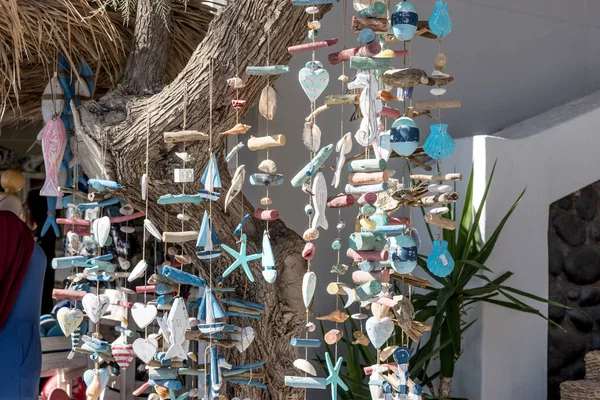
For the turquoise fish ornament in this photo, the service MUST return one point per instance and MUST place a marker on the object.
(439, 144)
(403, 253)
(404, 21)
(404, 136)
(313, 81)
(440, 262)
(440, 22)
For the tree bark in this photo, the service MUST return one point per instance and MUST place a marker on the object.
(111, 143)
(145, 72)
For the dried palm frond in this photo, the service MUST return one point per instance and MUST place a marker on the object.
(33, 33)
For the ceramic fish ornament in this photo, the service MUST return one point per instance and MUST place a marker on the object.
(267, 104)
(439, 144)
(440, 262)
(177, 322)
(311, 136)
(54, 140)
(268, 260)
(439, 22)
(236, 184)
(313, 81)
(319, 190)
(53, 99)
(309, 283)
(343, 147)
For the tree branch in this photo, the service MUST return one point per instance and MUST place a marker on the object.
(147, 62)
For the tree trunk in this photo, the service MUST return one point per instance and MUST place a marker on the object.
(111, 142)
(445, 387)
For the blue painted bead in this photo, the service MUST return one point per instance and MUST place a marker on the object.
(314, 65)
(366, 36)
(337, 244)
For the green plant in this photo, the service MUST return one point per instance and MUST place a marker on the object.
(446, 304)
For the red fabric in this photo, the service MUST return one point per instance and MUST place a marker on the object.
(16, 249)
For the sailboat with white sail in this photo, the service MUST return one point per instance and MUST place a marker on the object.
(210, 311)
(208, 240)
(211, 180)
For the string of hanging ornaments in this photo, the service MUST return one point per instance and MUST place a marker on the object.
(184, 307)
(383, 246)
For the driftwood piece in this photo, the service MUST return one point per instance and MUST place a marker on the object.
(342, 55)
(342, 99)
(64, 294)
(405, 77)
(377, 24)
(441, 198)
(439, 104)
(390, 112)
(267, 70)
(434, 178)
(179, 237)
(321, 44)
(358, 62)
(443, 223)
(439, 81)
(264, 142)
(368, 178)
(340, 201)
(317, 111)
(184, 136)
(336, 288)
(266, 215)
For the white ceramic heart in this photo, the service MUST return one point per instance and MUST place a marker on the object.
(95, 306)
(88, 376)
(313, 81)
(379, 330)
(145, 348)
(101, 227)
(245, 337)
(69, 319)
(309, 283)
(143, 314)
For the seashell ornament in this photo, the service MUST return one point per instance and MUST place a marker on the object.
(439, 144)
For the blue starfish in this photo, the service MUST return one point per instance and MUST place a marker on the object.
(241, 258)
(334, 376)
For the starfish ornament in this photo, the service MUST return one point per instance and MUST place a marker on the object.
(241, 258)
(334, 376)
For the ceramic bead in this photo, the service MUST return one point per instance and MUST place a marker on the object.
(337, 244)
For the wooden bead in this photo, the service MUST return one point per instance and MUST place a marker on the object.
(265, 201)
(309, 251)
(358, 256)
(310, 234)
(340, 201)
(333, 336)
(368, 223)
(266, 215)
(367, 198)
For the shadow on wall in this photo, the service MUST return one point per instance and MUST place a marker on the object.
(574, 280)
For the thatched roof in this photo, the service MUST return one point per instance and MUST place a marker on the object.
(33, 32)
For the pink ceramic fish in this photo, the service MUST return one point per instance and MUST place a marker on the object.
(54, 140)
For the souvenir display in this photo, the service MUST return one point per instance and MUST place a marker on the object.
(383, 245)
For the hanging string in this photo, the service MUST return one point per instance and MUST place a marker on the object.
(237, 117)
(146, 210)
